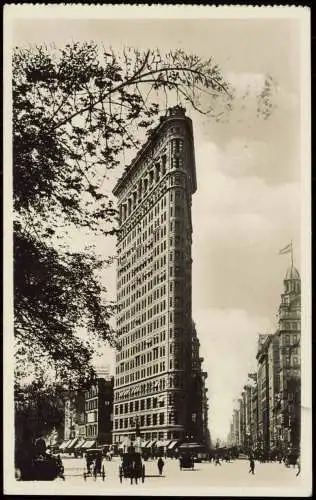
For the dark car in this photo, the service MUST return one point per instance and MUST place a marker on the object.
(186, 462)
(132, 467)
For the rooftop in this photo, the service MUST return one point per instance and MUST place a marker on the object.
(292, 274)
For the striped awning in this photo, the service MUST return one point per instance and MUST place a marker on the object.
(79, 444)
(71, 443)
(144, 444)
(88, 444)
(164, 444)
(150, 444)
(172, 445)
(64, 444)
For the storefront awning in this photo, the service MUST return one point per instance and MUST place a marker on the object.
(163, 444)
(79, 444)
(172, 445)
(71, 443)
(64, 444)
(144, 444)
(150, 444)
(88, 444)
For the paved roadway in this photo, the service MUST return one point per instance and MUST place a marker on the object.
(173, 481)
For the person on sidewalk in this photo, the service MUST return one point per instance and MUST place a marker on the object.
(252, 465)
(160, 464)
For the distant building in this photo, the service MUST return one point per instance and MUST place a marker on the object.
(274, 387)
(99, 411)
(289, 414)
(74, 425)
(198, 398)
(263, 393)
(254, 415)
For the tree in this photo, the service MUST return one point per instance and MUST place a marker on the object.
(75, 110)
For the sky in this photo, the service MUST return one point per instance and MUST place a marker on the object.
(248, 200)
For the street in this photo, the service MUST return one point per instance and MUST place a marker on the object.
(204, 476)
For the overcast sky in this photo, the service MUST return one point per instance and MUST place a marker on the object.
(247, 204)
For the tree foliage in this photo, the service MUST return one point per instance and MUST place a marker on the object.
(75, 109)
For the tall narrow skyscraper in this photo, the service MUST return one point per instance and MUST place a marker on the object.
(154, 361)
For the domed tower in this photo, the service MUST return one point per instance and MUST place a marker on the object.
(290, 307)
(290, 362)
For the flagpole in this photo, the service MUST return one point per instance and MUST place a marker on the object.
(292, 253)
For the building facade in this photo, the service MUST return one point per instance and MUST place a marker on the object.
(274, 387)
(99, 411)
(275, 395)
(289, 335)
(154, 359)
(263, 393)
(198, 397)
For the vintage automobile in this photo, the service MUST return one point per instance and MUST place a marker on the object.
(186, 462)
(94, 464)
(132, 467)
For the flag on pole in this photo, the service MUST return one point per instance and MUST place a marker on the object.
(286, 249)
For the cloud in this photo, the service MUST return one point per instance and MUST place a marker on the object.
(273, 143)
(239, 224)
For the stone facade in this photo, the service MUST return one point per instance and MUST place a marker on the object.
(154, 359)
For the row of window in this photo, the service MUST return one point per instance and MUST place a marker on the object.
(153, 176)
(174, 181)
(91, 430)
(91, 405)
(178, 242)
(143, 373)
(151, 436)
(174, 381)
(144, 420)
(156, 232)
(141, 359)
(139, 405)
(154, 369)
(290, 325)
(140, 346)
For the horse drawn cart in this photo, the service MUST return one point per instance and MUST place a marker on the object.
(94, 464)
(186, 462)
(132, 467)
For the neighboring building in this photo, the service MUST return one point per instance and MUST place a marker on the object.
(99, 411)
(271, 407)
(154, 361)
(236, 424)
(254, 417)
(198, 398)
(289, 415)
(74, 416)
(242, 420)
(263, 392)
(274, 387)
(248, 416)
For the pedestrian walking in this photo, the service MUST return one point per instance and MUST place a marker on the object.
(252, 465)
(298, 463)
(160, 464)
(217, 462)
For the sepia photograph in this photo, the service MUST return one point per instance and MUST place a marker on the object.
(157, 272)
